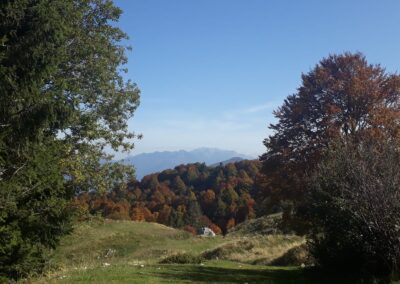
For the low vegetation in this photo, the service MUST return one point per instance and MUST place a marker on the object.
(183, 258)
(265, 225)
(254, 249)
(102, 251)
(296, 256)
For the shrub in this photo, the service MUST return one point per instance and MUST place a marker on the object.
(354, 209)
(216, 229)
(294, 257)
(190, 229)
(183, 258)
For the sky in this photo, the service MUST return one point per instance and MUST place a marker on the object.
(211, 72)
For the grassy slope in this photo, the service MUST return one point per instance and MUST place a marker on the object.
(128, 252)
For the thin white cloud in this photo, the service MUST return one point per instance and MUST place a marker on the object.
(258, 108)
(251, 110)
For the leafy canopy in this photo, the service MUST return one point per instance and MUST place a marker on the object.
(62, 101)
(342, 96)
(353, 207)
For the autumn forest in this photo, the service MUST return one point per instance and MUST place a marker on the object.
(189, 196)
(71, 212)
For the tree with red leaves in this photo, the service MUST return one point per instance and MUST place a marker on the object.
(343, 96)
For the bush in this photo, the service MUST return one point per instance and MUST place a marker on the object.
(294, 257)
(190, 229)
(183, 258)
(265, 225)
(354, 209)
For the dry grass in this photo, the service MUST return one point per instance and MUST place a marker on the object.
(266, 225)
(129, 252)
(294, 257)
(258, 249)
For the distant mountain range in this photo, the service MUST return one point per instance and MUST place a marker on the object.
(231, 160)
(148, 163)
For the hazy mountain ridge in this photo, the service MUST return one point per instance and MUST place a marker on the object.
(224, 163)
(147, 163)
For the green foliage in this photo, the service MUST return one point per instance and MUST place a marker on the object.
(183, 258)
(179, 185)
(194, 214)
(354, 209)
(62, 100)
(32, 213)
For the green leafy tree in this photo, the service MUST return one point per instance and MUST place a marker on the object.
(229, 195)
(221, 209)
(192, 174)
(176, 219)
(194, 213)
(231, 170)
(178, 185)
(62, 101)
(153, 183)
(354, 209)
(32, 213)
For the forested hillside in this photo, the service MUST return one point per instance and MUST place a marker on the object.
(187, 196)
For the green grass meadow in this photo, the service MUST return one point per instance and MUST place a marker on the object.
(129, 252)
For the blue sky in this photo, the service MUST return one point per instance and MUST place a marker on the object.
(212, 71)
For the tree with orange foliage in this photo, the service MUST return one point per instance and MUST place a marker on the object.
(165, 198)
(216, 229)
(192, 230)
(164, 215)
(208, 196)
(148, 216)
(137, 214)
(120, 211)
(343, 96)
(207, 201)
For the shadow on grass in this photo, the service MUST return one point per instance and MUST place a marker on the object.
(233, 275)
